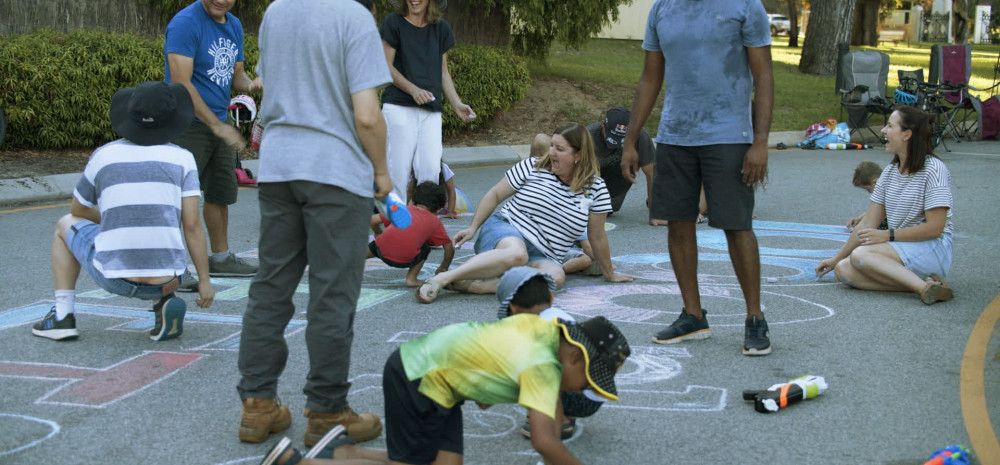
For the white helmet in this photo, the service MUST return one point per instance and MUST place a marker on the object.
(242, 108)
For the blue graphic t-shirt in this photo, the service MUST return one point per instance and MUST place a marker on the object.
(708, 86)
(215, 49)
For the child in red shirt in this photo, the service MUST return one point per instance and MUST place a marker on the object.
(409, 248)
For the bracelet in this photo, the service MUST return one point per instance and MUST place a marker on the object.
(892, 235)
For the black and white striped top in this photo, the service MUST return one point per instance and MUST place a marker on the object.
(907, 197)
(546, 212)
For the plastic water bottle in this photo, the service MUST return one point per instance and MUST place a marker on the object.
(394, 209)
(836, 146)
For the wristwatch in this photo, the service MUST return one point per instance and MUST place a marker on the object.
(892, 235)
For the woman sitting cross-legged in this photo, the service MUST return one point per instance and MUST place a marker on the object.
(553, 200)
(914, 195)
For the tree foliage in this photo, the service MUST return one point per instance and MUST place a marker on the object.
(531, 26)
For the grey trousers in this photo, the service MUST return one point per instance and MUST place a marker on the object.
(325, 227)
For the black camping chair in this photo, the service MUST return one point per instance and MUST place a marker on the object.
(862, 77)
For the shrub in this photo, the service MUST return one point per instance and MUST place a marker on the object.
(489, 79)
(56, 88)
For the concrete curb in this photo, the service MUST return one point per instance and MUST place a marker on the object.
(60, 186)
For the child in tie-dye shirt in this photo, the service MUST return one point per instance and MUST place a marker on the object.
(523, 360)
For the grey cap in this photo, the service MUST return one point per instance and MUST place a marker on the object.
(512, 280)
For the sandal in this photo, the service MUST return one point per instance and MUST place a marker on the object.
(284, 445)
(936, 292)
(433, 288)
(324, 448)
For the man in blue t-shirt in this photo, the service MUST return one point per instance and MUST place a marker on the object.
(715, 57)
(203, 51)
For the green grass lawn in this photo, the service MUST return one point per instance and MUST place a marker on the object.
(613, 67)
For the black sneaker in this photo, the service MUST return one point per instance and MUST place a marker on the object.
(685, 327)
(169, 318)
(755, 340)
(54, 329)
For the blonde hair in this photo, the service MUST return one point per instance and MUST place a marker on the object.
(540, 145)
(434, 13)
(583, 171)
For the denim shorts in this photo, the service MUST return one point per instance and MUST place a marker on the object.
(80, 240)
(926, 257)
(497, 228)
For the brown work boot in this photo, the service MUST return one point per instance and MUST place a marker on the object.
(262, 417)
(360, 428)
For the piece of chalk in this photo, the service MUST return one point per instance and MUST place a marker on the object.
(772, 280)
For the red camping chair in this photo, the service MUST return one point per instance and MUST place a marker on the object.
(951, 65)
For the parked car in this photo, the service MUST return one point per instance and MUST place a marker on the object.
(779, 24)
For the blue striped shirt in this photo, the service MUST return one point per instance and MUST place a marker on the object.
(138, 191)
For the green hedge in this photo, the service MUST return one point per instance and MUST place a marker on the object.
(489, 79)
(56, 88)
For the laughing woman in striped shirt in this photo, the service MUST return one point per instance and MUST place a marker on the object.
(914, 195)
(554, 199)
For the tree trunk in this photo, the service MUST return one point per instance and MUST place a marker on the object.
(829, 25)
(473, 24)
(793, 20)
(865, 24)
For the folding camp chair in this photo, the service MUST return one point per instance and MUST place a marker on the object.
(862, 77)
(951, 65)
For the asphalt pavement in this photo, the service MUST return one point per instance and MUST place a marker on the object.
(904, 378)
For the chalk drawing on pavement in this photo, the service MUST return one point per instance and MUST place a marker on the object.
(404, 336)
(780, 266)
(614, 303)
(14, 424)
(100, 387)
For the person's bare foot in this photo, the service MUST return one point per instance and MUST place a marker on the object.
(413, 282)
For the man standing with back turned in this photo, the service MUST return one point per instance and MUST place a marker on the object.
(716, 57)
(321, 62)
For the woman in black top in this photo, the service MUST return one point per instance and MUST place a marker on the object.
(416, 40)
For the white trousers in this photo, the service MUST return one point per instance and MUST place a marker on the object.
(414, 145)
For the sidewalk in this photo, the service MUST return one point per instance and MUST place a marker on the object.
(60, 186)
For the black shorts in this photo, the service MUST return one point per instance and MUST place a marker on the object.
(416, 427)
(425, 250)
(680, 173)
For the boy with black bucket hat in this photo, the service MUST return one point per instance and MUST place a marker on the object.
(127, 212)
(521, 359)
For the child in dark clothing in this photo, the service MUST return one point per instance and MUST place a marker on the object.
(409, 248)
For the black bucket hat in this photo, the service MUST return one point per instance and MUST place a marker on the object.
(151, 113)
(604, 352)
